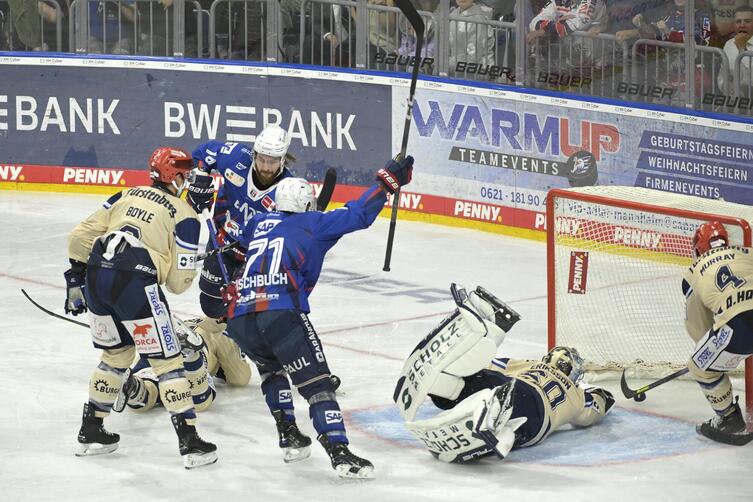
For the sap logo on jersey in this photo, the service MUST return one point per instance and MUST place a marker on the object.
(285, 396)
(92, 176)
(265, 227)
(11, 173)
(333, 416)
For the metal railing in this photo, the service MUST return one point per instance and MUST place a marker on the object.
(364, 35)
(10, 40)
(143, 27)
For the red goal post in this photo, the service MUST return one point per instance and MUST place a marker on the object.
(615, 259)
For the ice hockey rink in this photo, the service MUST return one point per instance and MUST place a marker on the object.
(369, 321)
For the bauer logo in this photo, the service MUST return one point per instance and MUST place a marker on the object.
(333, 417)
(576, 282)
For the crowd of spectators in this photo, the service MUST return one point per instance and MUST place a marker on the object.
(589, 46)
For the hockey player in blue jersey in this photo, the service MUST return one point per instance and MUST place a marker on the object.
(268, 316)
(249, 182)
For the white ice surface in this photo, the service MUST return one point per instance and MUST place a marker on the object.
(369, 321)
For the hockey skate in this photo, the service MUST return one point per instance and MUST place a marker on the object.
(727, 429)
(194, 450)
(93, 438)
(294, 443)
(344, 461)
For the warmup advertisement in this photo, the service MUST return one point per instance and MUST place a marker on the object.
(485, 157)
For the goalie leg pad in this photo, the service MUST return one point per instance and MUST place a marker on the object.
(458, 347)
(478, 426)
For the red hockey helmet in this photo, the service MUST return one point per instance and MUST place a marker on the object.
(167, 162)
(709, 235)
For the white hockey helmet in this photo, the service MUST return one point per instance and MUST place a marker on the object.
(295, 195)
(273, 141)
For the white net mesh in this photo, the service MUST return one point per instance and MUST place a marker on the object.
(618, 270)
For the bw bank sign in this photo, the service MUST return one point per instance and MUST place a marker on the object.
(180, 120)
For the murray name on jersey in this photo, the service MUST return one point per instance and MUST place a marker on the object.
(719, 282)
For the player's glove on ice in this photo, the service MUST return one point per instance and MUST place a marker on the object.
(200, 193)
(75, 278)
(396, 173)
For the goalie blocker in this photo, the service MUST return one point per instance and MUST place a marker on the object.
(492, 405)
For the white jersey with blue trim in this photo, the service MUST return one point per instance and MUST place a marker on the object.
(164, 225)
(563, 402)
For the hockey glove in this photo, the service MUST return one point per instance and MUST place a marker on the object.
(229, 293)
(200, 193)
(75, 278)
(604, 394)
(396, 173)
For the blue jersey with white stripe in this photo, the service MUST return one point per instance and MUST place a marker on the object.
(239, 198)
(285, 252)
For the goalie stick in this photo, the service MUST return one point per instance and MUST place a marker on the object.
(418, 26)
(639, 394)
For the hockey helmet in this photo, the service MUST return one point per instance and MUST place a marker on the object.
(567, 360)
(167, 162)
(273, 141)
(295, 195)
(709, 235)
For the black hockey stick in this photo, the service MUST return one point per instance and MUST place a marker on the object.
(53, 314)
(418, 26)
(639, 394)
(221, 249)
(328, 188)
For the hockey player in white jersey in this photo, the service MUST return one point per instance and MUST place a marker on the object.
(718, 291)
(142, 238)
(492, 404)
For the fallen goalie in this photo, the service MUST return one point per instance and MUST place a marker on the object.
(492, 405)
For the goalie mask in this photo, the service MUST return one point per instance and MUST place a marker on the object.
(567, 360)
(295, 195)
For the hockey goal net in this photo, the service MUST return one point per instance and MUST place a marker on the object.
(616, 256)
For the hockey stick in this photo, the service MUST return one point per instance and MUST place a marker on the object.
(221, 249)
(53, 314)
(418, 26)
(639, 394)
(213, 239)
(328, 188)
